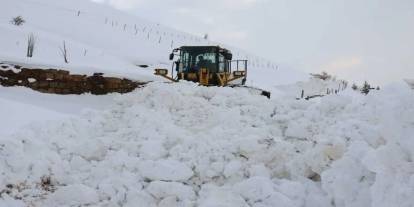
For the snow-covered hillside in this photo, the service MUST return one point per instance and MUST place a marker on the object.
(102, 39)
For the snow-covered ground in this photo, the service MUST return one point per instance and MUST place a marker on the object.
(185, 145)
(21, 106)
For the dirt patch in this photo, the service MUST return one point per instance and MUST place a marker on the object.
(62, 82)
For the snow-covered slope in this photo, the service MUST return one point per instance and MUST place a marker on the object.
(183, 145)
(102, 39)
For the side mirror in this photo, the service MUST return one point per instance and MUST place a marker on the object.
(229, 56)
(171, 56)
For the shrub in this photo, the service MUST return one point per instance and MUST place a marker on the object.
(354, 87)
(17, 21)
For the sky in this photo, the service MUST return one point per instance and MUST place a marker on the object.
(356, 40)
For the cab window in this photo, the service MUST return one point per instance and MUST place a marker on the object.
(222, 63)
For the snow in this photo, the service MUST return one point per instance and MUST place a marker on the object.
(161, 190)
(168, 170)
(73, 195)
(21, 107)
(363, 157)
(97, 42)
(17, 115)
(186, 145)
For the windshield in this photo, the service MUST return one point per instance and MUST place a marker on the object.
(193, 60)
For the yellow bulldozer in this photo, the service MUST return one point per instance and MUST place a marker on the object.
(208, 66)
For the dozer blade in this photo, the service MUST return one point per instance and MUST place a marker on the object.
(258, 90)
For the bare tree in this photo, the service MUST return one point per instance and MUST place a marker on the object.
(17, 21)
(64, 52)
(30, 45)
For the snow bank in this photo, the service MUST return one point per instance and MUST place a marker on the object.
(218, 147)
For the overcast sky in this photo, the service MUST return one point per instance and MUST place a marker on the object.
(355, 39)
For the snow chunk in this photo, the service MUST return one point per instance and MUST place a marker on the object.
(212, 196)
(167, 170)
(31, 80)
(173, 201)
(141, 199)
(278, 200)
(259, 170)
(91, 150)
(6, 200)
(73, 195)
(161, 189)
(233, 168)
(152, 150)
(298, 130)
(255, 188)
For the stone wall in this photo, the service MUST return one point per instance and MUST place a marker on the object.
(62, 82)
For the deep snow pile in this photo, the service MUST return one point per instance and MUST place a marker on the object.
(183, 145)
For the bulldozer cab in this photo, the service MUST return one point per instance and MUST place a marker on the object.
(207, 65)
(214, 59)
